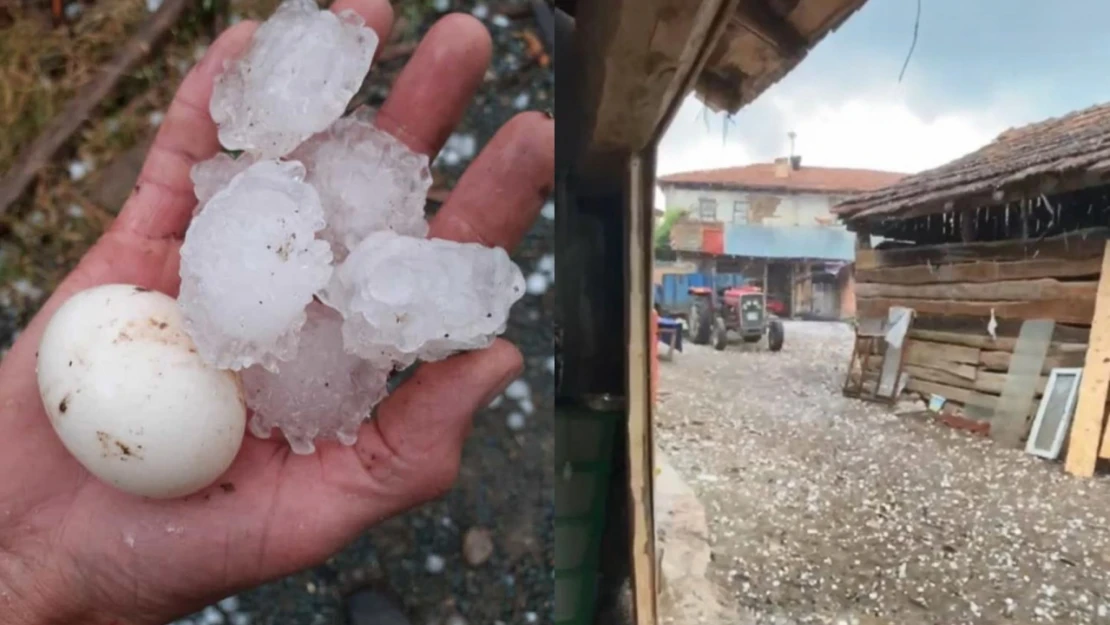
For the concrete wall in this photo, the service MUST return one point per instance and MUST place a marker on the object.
(785, 209)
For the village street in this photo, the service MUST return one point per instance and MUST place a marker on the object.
(824, 509)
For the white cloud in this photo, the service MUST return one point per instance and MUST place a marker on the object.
(875, 130)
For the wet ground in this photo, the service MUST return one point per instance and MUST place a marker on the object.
(824, 509)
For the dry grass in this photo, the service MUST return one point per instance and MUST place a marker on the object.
(41, 66)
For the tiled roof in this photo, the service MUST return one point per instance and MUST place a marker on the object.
(1076, 143)
(805, 178)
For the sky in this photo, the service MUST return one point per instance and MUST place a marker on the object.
(979, 67)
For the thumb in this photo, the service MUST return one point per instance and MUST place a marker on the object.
(409, 452)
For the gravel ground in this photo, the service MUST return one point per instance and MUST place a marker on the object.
(824, 509)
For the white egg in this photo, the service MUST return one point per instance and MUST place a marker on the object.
(131, 399)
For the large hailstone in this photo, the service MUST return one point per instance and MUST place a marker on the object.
(405, 299)
(301, 69)
(322, 393)
(214, 174)
(368, 181)
(250, 265)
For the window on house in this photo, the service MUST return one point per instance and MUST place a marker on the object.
(740, 211)
(707, 209)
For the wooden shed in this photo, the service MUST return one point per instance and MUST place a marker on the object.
(1014, 231)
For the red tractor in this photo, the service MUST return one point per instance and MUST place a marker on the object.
(743, 310)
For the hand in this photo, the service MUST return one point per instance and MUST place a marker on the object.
(73, 550)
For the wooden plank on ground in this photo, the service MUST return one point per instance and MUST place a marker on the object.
(990, 271)
(1010, 290)
(1063, 311)
(1073, 245)
(1090, 408)
(961, 395)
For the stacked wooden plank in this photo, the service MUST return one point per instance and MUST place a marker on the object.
(957, 289)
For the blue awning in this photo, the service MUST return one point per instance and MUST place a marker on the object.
(814, 242)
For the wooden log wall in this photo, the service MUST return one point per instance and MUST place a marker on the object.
(954, 288)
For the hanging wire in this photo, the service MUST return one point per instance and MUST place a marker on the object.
(913, 43)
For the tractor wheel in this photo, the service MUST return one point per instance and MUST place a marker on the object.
(701, 322)
(775, 335)
(720, 334)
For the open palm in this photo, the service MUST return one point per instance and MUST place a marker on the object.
(75, 550)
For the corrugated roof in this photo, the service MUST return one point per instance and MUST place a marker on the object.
(763, 176)
(1076, 143)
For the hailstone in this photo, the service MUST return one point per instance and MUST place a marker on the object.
(300, 70)
(212, 175)
(405, 298)
(368, 181)
(322, 393)
(250, 264)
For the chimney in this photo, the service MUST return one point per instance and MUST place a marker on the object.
(782, 167)
(796, 162)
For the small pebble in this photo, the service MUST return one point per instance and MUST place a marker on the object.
(435, 564)
(477, 546)
(518, 390)
(548, 211)
(441, 6)
(230, 604)
(521, 101)
(500, 21)
(497, 401)
(74, 10)
(480, 11)
(515, 421)
(455, 619)
(75, 211)
(211, 616)
(78, 170)
(155, 118)
(536, 284)
(531, 617)
(153, 5)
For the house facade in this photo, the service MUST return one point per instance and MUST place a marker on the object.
(773, 223)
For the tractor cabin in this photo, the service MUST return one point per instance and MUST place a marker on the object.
(999, 256)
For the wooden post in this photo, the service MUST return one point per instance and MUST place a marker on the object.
(863, 237)
(967, 225)
(1090, 409)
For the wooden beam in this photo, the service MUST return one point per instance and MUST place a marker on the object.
(983, 271)
(984, 382)
(1059, 355)
(758, 19)
(1006, 332)
(961, 395)
(1009, 290)
(1074, 245)
(1062, 311)
(1090, 408)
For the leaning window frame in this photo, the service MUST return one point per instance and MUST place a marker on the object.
(1065, 421)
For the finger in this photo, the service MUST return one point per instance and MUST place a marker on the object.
(430, 96)
(409, 452)
(162, 202)
(500, 195)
